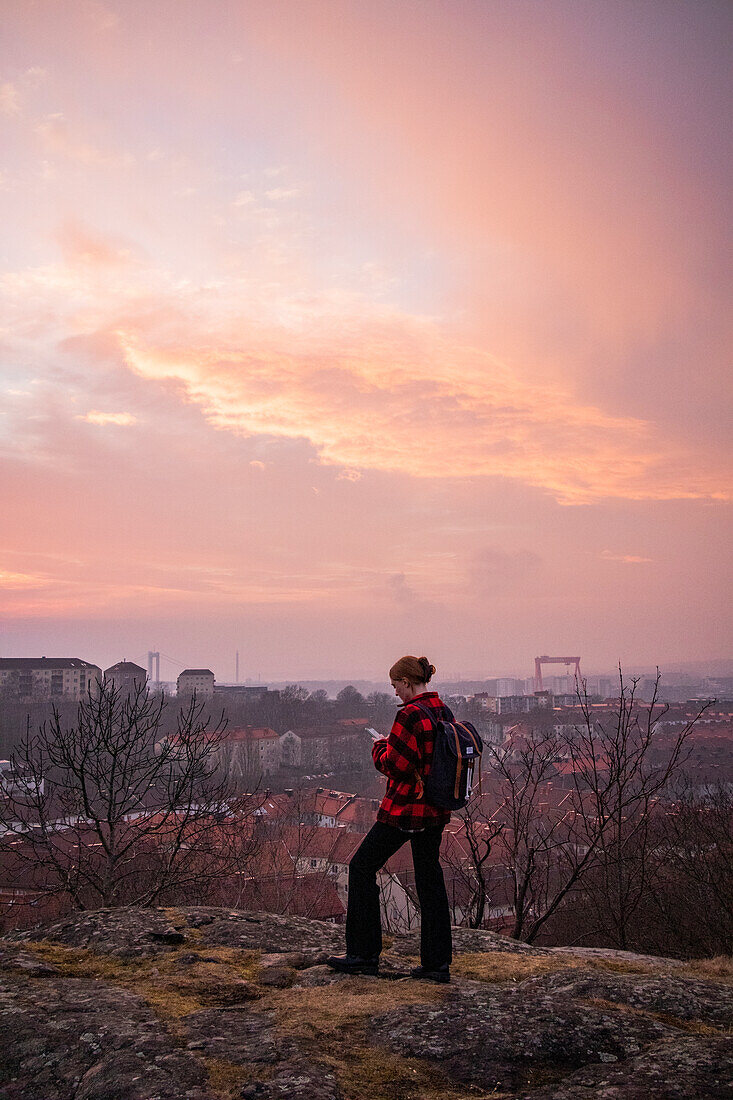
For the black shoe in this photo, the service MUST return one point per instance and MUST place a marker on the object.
(353, 964)
(428, 974)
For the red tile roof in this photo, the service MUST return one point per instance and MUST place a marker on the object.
(250, 733)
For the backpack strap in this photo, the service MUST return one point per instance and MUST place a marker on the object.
(430, 715)
(429, 712)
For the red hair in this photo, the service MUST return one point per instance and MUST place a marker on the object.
(416, 670)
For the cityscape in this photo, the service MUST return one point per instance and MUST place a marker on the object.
(297, 763)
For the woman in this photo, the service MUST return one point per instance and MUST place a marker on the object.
(405, 757)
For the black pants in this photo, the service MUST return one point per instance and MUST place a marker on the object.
(363, 924)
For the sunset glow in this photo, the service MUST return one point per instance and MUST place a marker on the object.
(335, 330)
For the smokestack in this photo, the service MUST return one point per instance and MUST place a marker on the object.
(236, 668)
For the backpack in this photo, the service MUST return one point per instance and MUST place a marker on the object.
(457, 749)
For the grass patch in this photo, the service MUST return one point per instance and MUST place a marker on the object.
(228, 1078)
(365, 1073)
(171, 990)
(719, 969)
(504, 966)
(175, 917)
(324, 1010)
(693, 1027)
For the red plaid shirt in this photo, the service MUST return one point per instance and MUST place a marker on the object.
(405, 757)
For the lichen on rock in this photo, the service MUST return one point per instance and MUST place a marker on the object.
(199, 1003)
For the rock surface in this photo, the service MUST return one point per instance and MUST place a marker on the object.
(683, 998)
(199, 1003)
(491, 1037)
(87, 1041)
(610, 954)
(470, 939)
(122, 933)
(683, 1067)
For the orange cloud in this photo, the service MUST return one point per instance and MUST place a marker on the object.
(370, 386)
(388, 392)
(121, 419)
(10, 580)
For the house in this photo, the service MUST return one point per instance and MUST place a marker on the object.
(198, 680)
(317, 806)
(314, 748)
(485, 701)
(323, 854)
(126, 677)
(339, 745)
(16, 783)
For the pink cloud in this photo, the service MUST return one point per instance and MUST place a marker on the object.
(80, 245)
(63, 138)
(628, 559)
(388, 392)
(9, 99)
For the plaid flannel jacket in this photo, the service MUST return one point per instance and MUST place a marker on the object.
(405, 757)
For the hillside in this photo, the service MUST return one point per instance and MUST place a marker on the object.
(211, 1004)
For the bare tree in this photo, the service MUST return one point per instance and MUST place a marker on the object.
(601, 826)
(534, 834)
(105, 813)
(292, 869)
(466, 859)
(689, 909)
(619, 765)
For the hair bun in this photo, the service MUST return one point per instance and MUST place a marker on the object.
(427, 668)
(416, 670)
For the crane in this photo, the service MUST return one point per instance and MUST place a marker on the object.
(545, 660)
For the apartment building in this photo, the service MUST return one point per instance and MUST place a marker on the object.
(54, 677)
(199, 680)
(250, 752)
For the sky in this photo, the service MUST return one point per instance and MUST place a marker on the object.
(334, 331)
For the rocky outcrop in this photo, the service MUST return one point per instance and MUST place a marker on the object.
(498, 1037)
(89, 1041)
(140, 933)
(681, 998)
(200, 1003)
